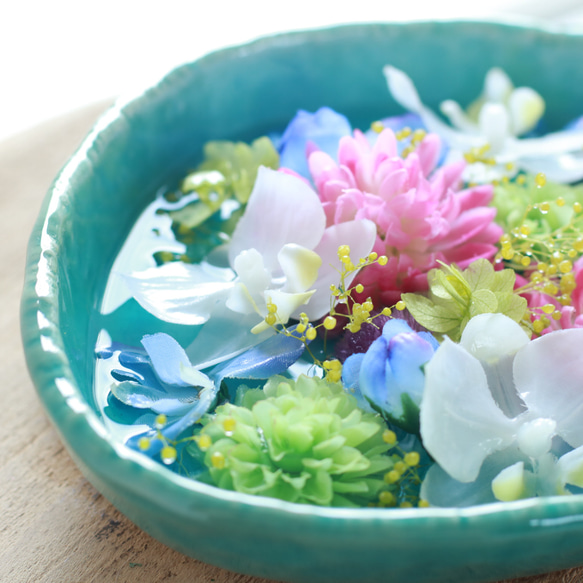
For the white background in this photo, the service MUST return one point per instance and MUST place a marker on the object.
(59, 55)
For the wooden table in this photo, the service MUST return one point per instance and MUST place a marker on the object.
(54, 526)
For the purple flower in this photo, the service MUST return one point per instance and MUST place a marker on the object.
(390, 374)
(308, 132)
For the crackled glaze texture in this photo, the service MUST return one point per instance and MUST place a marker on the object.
(143, 143)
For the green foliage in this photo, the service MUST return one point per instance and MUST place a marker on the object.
(229, 170)
(515, 203)
(223, 183)
(455, 296)
(303, 441)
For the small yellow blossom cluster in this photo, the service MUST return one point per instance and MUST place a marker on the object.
(404, 478)
(356, 314)
(415, 137)
(480, 154)
(168, 452)
(545, 259)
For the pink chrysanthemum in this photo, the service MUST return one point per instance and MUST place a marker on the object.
(421, 215)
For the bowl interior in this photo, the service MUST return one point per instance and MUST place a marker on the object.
(154, 139)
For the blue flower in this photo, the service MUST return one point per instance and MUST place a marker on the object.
(322, 129)
(390, 374)
(162, 379)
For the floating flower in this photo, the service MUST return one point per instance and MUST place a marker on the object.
(495, 409)
(421, 216)
(502, 113)
(308, 132)
(390, 374)
(303, 441)
(281, 254)
(161, 379)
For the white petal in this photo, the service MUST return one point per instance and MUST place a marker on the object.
(250, 269)
(224, 336)
(151, 233)
(494, 339)
(181, 293)
(458, 117)
(194, 377)
(460, 422)
(300, 267)
(282, 209)
(563, 168)
(535, 437)
(360, 237)
(526, 107)
(404, 93)
(242, 301)
(548, 373)
(253, 279)
(490, 337)
(497, 85)
(403, 89)
(548, 145)
(287, 304)
(494, 125)
(440, 489)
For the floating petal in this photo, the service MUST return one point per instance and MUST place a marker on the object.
(181, 293)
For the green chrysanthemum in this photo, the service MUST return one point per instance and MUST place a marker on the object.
(515, 203)
(303, 441)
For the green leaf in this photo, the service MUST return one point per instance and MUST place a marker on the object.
(483, 302)
(429, 314)
(480, 275)
(456, 296)
(512, 305)
(504, 281)
(238, 163)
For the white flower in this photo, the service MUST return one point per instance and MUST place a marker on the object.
(495, 405)
(503, 113)
(280, 253)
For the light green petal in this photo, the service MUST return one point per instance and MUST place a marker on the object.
(300, 267)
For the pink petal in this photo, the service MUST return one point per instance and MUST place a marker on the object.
(428, 151)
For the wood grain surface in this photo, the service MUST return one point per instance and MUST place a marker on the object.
(54, 526)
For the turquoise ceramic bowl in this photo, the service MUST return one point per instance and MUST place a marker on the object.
(241, 93)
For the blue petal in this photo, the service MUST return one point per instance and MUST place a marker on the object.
(166, 356)
(395, 326)
(171, 403)
(351, 379)
(429, 337)
(139, 365)
(173, 430)
(272, 356)
(407, 354)
(324, 128)
(575, 125)
(373, 372)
